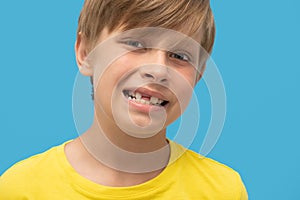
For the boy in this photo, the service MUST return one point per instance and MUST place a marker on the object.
(144, 57)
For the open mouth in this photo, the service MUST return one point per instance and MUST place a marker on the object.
(144, 98)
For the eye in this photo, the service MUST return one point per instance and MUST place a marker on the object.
(134, 43)
(180, 56)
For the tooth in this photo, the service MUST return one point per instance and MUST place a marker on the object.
(159, 101)
(129, 98)
(143, 101)
(147, 102)
(138, 100)
(138, 95)
(154, 100)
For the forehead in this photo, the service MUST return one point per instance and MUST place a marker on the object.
(180, 32)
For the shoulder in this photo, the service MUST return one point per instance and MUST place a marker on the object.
(202, 171)
(32, 163)
(209, 164)
(28, 173)
(199, 162)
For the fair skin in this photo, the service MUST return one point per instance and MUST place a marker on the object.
(114, 110)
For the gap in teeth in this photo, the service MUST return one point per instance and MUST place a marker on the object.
(137, 97)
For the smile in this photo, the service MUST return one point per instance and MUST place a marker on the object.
(143, 98)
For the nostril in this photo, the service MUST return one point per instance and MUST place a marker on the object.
(148, 76)
(155, 73)
(154, 78)
(163, 80)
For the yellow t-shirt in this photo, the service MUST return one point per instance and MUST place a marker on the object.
(49, 176)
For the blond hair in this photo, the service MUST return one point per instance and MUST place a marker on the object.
(187, 16)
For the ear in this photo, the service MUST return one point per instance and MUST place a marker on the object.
(81, 51)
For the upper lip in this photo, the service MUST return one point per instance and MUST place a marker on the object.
(150, 93)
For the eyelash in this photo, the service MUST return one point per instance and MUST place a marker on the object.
(134, 43)
(180, 56)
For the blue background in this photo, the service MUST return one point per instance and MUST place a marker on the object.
(256, 51)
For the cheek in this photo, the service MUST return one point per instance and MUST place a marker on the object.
(184, 87)
(114, 72)
(189, 74)
(107, 81)
(122, 66)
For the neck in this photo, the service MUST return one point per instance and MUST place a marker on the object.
(108, 174)
(125, 153)
(110, 157)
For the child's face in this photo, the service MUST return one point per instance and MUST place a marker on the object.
(143, 78)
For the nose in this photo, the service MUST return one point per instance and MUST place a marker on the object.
(155, 69)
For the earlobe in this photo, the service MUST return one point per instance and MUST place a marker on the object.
(81, 52)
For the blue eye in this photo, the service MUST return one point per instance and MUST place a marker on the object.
(180, 56)
(134, 43)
